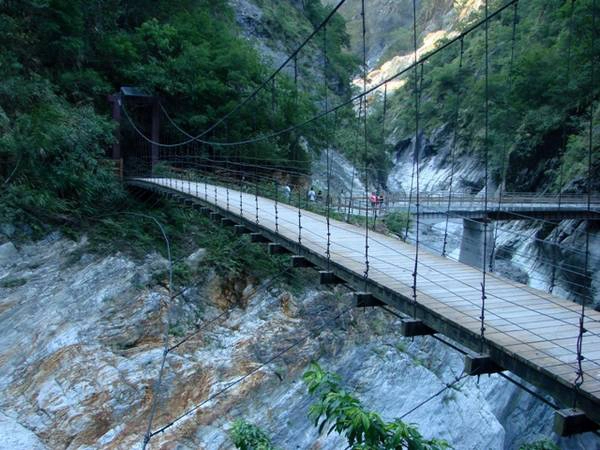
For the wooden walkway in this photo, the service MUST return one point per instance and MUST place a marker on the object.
(528, 331)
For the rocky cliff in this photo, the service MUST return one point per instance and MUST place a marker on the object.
(82, 342)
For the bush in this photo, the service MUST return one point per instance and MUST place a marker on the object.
(247, 436)
(54, 153)
(396, 222)
(343, 413)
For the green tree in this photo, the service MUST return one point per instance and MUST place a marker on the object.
(363, 429)
(59, 60)
(540, 92)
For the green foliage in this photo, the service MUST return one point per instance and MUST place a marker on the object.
(370, 152)
(540, 445)
(344, 414)
(230, 256)
(60, 59)
(247, 436)
(534, 101)
(52, 150)
(396, 222)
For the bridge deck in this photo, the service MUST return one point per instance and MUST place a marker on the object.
(529, 332)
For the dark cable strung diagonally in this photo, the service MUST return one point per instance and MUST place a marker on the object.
(486, 180)
(505, 155)
(418, 85)
(263, 86)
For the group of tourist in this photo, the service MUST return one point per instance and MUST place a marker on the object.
(376, 198)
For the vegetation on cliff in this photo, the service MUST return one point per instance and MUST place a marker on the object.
(60, 59)
(540, 88)
(335, 409)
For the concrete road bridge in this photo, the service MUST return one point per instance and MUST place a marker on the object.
(508, 206)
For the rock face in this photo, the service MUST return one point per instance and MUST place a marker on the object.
(527, 251)
(435, 166)
(15, 436)
(346, 178)
(389, 24)
(82, 341)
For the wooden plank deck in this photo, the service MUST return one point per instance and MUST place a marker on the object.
(528, 331)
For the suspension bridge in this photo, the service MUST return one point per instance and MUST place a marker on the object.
(553, 343)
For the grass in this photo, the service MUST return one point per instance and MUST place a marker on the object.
(396, 222)
(401, 347)
(227, 254)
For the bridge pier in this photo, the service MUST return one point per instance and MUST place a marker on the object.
(471, 245)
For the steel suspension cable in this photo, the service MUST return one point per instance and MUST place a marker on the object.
(568, 84)
(241, 174)
(263, 85)
(417, 90)
(257, 221)
(296, 79)
(328, 152)
(454, 140)
(417, 156)
(379, 203)
(356, 138)
(505, 155)
(328, 198)
(486, 180)
(276, 206)
(410, 195)
(299, 220)
(227, 167)
(344, 103)
(273, 103)
(447, 386)
(563, 146)
(365, 141)
(579, 373)
(161, 370)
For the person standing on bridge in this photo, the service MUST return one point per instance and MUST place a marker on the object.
(287, 192)
(380, 200)
(320, 196)
(340, 199)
